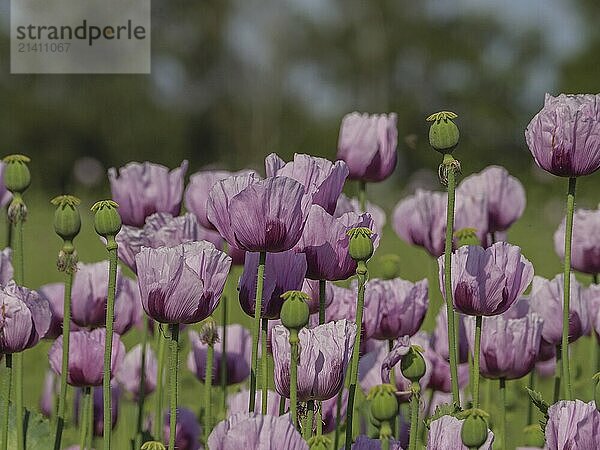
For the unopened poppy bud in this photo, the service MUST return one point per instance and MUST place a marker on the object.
(443, 132)
(319, 443)
(294, 312)
(209, 334)
(390, 266)
(67, 221)
(384, 404)
(413, 365)
(107, 220)
(534, 436)
(360, 247)
(466, 236)
(153, 445)
(474, 431)
(17, 210)
(17, 177)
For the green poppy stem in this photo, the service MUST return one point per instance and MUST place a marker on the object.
(281, 406)
(338, 419)
(208, 374)
(557, 374)
(502, 424)
(531, 385)
(223, 361)
(111, 246)
(595, 341)
(265, 365)
(158, 405)
(384, 435)
(84, 420)
(476, 356)
(90, 419)
(19, 277)
(260, 276)
(567, 290)
(452, 340)
(294, 376)
(8, 360)
(322, 302)
(414, 415)
(362, 275)
(308, 422)
(173, 372)
(362, 195)
(142, 387)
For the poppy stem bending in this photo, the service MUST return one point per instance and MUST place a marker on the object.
(362, 275)
(476, 356)
(260, 276)
(415, 388)
(111, 246)
(210, 356)
(158, 406)
(452, 339)
(265, 366)
(567, 289)
(4, 397)
(173, 372)
(294, 376)
(142, 385)
(502, 424)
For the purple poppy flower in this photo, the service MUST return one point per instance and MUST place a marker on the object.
(6, 268)
(199, 186)
(181, 284)
(510, 342)
(573, 425)
(546, 369)
(98, 408)
(394, 308)
(259, 216)
(187, 430)
(444, 434)
(486, 282)
(5, 195)
(420, 219)
(319, 176)
(284, 272)
(24, 318)
(128, 307)
(55, 294)
(325, 243)
(547, 301)
(49, 392)
(239, 349)
(311, 287)
(439, 340)
(592, 300)
(346, 205)
(564, 137)
(251, 431)
(585, 249)
(142, 189)
(329, 411)
(505, 196)
(129, 373)
(238, 402)
(368, 145)
(86, 357)
(324, 356)
(363, 442)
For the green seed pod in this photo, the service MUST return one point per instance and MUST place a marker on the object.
(361, 245)
(319, 443)
(474, 431)
(390, 266)
(384, 404)
(17, 177)
(443, 132)
(153, 445)
(67, 221)
(534, 436)
(107, 220)
(413, 364)
(294, 312)
(466, 236)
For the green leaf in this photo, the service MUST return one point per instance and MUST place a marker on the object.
(38, 434)
(541, 405)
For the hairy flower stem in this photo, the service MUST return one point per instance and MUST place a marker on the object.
(19, 277)
(322, 302)
(8, 360)
(84, 419)
(208, 374)
(281, 406)
(393, 383)
(476, 356)
(158, 405)
(449, 163)
(294, 376)
(265, 365)
(531, 386)
(260, 276)
(142, 387)
(502, 424)
(557, 374)
(362, 195)
(415, 388)
(385, 431)
(111, 246)
(224, 319)
(62, 399)
(362, 275)
(173, 371)
(308, 423)
(567, 291)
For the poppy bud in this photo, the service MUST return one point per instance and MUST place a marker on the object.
(474, 431)
(361, 245)
(16, 174)
(413, 364)
(390, 266)
(534, 436)
(443, 132)
(209, 334)
(466, 236)
(319, 443)
(384, 404)
(67, 222)
(107, 220)
(294, 312)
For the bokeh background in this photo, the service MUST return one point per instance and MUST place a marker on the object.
(234, 80)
